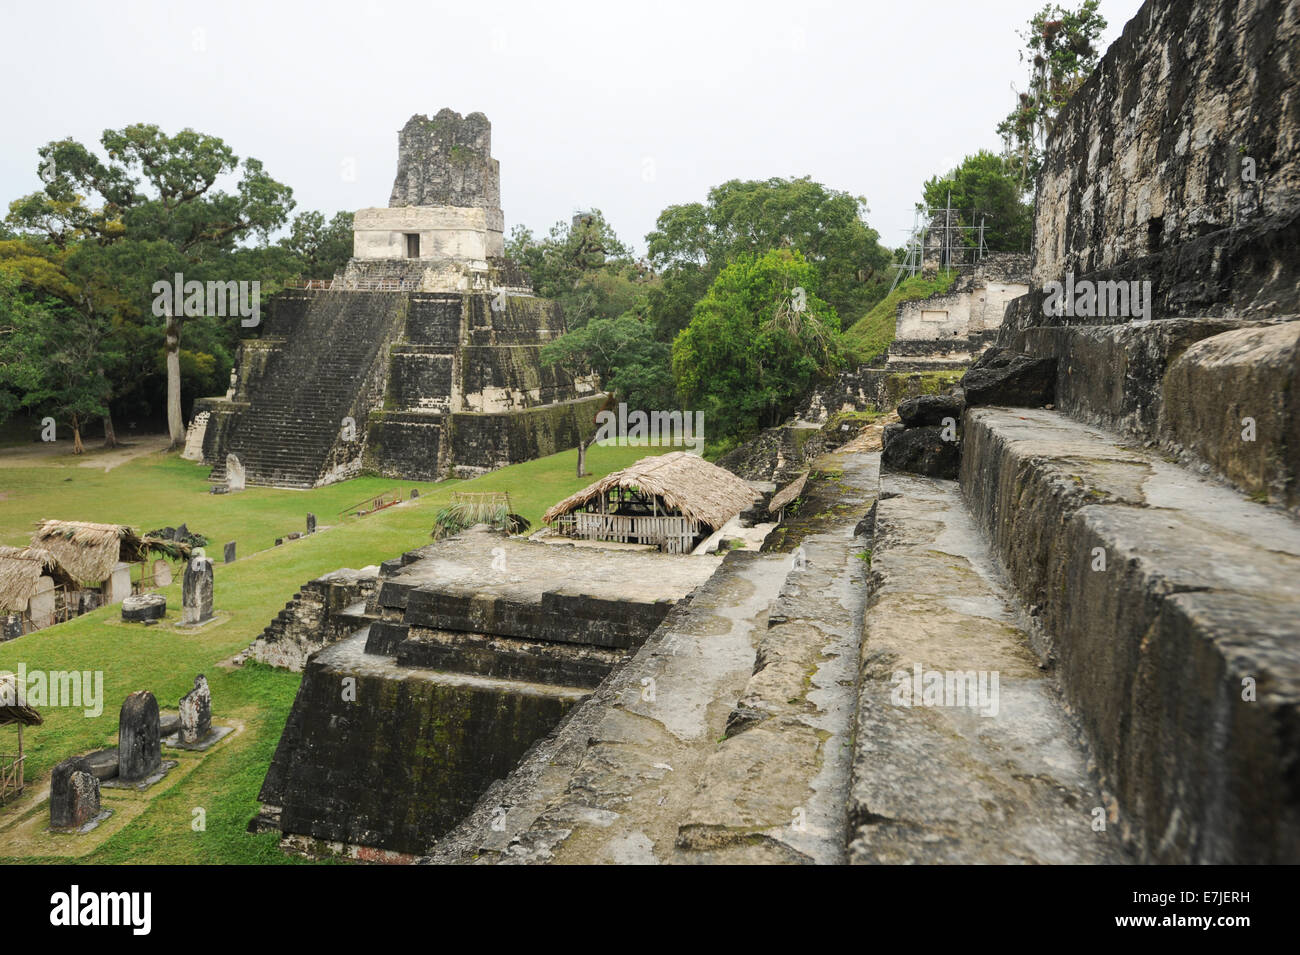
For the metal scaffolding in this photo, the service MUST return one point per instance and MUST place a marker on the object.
(946, 241)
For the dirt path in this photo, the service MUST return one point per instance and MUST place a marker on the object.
(40, 454)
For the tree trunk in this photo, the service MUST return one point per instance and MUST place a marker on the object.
(110, 435)
(77, 447)
(175, 426)
(582, 453)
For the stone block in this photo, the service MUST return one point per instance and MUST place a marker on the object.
(922, 451)
(144, 607)
(1233, 401)
(230, 552)
(1112, 374)
(118, 586)
(139, 742)
(235, 476)
(930, 410)
(196, 591)
(196, 712)
(1000, 377)
(162, 573)
(74, 794)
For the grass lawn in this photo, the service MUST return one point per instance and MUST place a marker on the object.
(870, 336)
(158, 490)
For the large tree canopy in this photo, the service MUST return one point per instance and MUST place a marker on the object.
(756, 342)
(985, 188)
(153, 207)
(692, 243)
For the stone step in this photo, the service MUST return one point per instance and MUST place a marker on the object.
(963, 751)
(1170, 608)
(507, 658)
(1223, 393)
(304, 388)
(775, 786)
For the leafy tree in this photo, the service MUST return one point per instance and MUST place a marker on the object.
(52, 356)
(632, 366)
(756, 341)
(572, 250)
(1061, 45)
(159, 192)
(986, 187)
(692, 243)
(319, 248)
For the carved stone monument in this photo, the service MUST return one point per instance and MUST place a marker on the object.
(234, 473)
(139, 742)
(196, 712)
(74, 794)
(196, 591)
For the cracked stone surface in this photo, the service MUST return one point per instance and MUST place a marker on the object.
(936, 779)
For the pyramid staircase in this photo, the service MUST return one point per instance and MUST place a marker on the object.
(289, 432)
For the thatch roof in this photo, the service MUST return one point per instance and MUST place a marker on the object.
(787, 494)
(11, 709)
(684, 482)
(21, 568)
(90, 551)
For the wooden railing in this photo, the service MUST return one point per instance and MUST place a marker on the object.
(673, 534)
(357, 285)
(372, 504)
(11, 775)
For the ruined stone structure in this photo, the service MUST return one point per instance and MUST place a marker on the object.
(949, 329)
(1165, 597)
(421, 359)
(1079, 643)
(467, 651)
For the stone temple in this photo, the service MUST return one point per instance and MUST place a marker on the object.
(420, 360)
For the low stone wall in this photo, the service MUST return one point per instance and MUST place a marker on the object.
(315, 618)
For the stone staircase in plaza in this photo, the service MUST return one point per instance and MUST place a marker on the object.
(287, 425)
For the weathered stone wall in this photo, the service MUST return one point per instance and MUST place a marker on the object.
(484, 442)
(446, 161)
(446, 232)
(323, 612)
(398, 761)
(1178, 161)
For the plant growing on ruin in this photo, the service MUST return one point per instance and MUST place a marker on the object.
(1061, 47)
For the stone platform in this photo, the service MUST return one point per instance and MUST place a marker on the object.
(473, 648)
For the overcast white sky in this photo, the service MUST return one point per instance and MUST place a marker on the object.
(623, 107)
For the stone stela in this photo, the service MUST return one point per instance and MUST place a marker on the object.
(196, 592)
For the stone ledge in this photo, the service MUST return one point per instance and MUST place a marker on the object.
(1005, 782)
(1156, 592)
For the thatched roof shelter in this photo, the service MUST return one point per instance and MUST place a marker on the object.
(89, 552)
(12, 709)
(686, 483)
(787, 494)
(21, 568)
